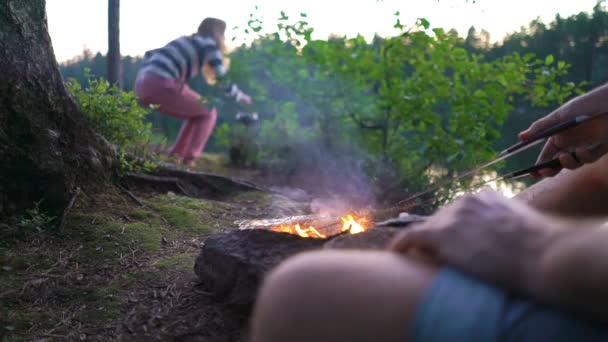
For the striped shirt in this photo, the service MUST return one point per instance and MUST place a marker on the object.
(184, 58)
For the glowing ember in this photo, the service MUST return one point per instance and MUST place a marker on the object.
(349, 223)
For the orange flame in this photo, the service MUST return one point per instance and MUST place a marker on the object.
(296, 229)
(349, 223)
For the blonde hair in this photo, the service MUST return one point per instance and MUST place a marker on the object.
(215, 29)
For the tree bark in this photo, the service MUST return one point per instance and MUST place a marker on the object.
(47, 148)
(114, 62)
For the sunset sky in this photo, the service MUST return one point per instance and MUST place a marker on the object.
(145, 24)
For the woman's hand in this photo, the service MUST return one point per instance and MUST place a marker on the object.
(588, 141)
(499, 240)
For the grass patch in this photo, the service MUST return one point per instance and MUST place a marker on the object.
(24, 320)
(192, 215)
(106, 239)
(16, 260)
(140, 214)
(88, 304)
(61, 282)
(261, 199)
(144, 234)
(181, 261)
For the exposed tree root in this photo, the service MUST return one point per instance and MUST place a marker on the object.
(156, 182)
(187, 183)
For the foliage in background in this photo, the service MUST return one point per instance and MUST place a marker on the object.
(116, 115)
(418, 100)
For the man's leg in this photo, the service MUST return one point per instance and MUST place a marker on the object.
(378, 296)
(340, 296)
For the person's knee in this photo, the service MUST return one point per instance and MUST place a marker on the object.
(311, 276)
(291, 297)
(328, 291)
(296, 281)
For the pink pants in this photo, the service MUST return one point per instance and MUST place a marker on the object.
(179, 101)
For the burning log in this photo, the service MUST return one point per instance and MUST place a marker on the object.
(310, 226)
(232, 265)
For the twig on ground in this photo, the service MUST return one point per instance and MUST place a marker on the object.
(140, 202)
(67, 210)
(133, 197)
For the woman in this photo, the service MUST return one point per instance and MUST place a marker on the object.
(162, 82)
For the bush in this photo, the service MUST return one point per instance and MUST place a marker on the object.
(418, 100)
(36, 220)
(111, 112)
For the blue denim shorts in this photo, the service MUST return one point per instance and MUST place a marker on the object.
(460, 308)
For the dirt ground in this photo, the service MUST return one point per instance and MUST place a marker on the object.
(123, 271)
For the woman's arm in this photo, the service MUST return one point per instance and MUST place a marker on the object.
(230, 89)
(581, 192)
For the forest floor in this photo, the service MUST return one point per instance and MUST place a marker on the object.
(123, 271)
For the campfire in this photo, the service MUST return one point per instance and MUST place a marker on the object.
(312, 226)
(350, 224)
(232, 264)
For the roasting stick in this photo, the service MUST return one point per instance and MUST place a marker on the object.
(507, 153)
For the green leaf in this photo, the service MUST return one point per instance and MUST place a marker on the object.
(425, 23)
(549, 60)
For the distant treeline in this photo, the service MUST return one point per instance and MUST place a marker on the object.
(97, 63)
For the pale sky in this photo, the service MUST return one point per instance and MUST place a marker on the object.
(147, 24)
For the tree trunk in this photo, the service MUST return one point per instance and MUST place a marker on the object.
(47, 148)
(114, 63)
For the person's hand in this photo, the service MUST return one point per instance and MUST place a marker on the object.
(496, 239)
(588, 141)
(244, 98)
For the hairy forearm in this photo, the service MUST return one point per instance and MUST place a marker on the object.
(574, 272)
(579, 193)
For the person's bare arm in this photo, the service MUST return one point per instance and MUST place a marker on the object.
(580, 192)
(589, 140)
(574, 272)
(558, 261)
